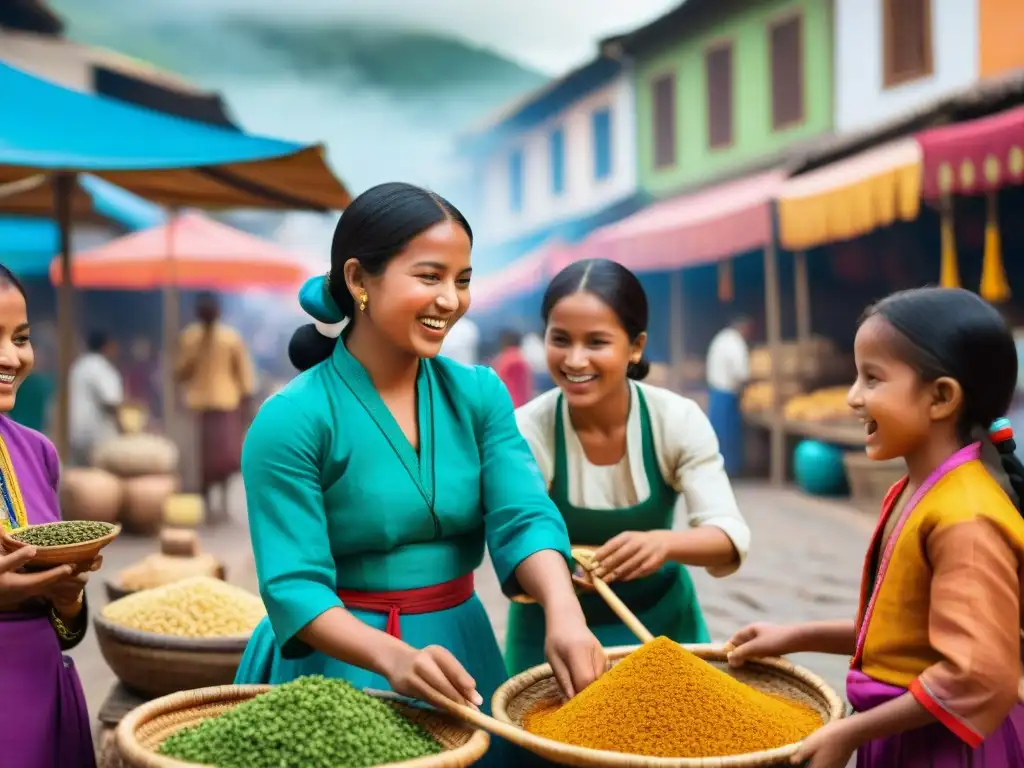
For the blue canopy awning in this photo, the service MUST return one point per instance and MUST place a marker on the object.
(27, 243)
(45, 128)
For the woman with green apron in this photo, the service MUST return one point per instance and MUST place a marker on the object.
(619, 457)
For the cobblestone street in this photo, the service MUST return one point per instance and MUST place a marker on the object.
(804, 564)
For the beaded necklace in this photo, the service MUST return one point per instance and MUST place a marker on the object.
(14, 506)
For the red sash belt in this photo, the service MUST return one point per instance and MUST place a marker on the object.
(439, 597)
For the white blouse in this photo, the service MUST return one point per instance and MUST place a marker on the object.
(688, 459)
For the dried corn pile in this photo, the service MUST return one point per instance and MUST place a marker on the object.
(200, 607)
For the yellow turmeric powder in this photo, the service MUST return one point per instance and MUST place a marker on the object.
(663, 701)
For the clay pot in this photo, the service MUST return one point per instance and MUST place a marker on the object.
(144, 497)
(137, 455)
(87, 493)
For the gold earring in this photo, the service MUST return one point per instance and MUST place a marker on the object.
(363, 298)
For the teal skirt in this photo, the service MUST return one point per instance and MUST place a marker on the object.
(464, 630)
(665, 603)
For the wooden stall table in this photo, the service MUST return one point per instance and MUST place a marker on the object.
(119, 702)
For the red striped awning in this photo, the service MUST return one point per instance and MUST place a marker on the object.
(687, 231)
(975, 157)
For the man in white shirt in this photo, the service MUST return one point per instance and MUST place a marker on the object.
(463, 342)
(96, 391)
(728, 368)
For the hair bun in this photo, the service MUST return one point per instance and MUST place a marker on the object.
(639, 371)
(309, 347)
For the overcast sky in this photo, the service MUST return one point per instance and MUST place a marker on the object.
(550, 35)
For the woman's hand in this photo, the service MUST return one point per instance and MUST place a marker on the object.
(828, 747)
(66, 594)
(575, 655)
(755, 641)
(425, 674)
(17, 587)
(631, 555)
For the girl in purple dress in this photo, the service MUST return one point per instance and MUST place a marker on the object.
(42, 614)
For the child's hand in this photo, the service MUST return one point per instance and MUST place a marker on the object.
(828, 747)
(756, 641)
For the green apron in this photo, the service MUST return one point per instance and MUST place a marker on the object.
(665, 601)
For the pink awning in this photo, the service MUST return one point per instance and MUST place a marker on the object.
(525, 274)
(686, 231)
(190, 251)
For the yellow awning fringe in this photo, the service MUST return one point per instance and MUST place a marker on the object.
(850, 211)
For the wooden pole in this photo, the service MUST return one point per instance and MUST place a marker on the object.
(677, 330)
(171, 321)
(64, 185)
(773, 329)
(802, 292)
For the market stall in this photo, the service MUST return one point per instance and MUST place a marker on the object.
(836, 203)
(169, 161)
(977, 158)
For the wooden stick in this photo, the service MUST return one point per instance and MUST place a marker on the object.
(585, 558)
(439, 703)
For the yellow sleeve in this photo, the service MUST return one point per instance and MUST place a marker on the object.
(974, 624)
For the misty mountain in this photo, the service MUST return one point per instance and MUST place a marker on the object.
(387, 100)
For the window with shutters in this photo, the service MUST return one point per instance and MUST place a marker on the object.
(515, 181)
(718, 74)
(786, 49)
(907, 40)
(601, 124)
(556, 152)
(663, 106)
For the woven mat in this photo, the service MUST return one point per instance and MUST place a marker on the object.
(119, 702)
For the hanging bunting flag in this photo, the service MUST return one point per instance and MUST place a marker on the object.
(994, 285)
(949, 274)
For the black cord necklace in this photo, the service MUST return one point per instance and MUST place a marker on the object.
(432, 498)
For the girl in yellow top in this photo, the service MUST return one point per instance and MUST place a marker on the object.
(936, 645)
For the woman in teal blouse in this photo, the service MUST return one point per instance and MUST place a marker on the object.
(377, 476)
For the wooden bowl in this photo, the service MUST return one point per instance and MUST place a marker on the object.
(143, 730)
(156, 665)
(533, 687)
(65, 554)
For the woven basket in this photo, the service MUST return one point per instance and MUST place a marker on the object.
(66, 554)
(143, 730)
(157, 665)
(523, 692)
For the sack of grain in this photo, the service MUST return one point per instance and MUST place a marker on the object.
(137, 454)
(144, 498)
(87, 493)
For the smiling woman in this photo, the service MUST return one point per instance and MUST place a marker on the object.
(41, 613)
(375, 478)
(619, 459)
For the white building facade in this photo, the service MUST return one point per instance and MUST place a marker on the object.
(893, 56)
(572, 163)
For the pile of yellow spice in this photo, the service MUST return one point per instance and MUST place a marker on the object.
(199, 607)
(663, 701)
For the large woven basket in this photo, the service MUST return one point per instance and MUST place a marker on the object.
(523, 692)
(157, 665)
(143, 730)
